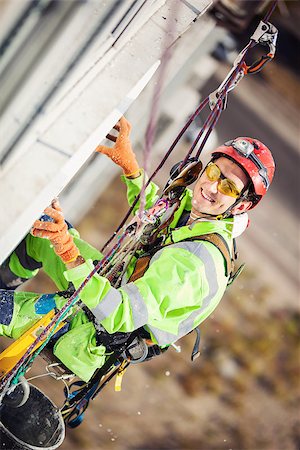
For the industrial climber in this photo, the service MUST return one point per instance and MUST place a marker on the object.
(186, 275)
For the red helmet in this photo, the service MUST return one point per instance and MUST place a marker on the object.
(254, 158)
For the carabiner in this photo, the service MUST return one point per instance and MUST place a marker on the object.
(265, 34)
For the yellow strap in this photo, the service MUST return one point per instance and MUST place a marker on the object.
(119, 377)
(12, 354)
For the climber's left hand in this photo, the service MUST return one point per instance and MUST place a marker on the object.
(57, 232)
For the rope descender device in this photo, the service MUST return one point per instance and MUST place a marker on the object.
(265, 34)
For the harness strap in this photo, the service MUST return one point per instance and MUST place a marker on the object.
(141, 266)
(216, 239)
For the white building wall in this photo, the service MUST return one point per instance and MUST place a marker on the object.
(63, 134)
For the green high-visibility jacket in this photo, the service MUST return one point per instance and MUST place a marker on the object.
(184, 283)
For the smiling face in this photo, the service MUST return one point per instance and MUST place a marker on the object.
(208, 200)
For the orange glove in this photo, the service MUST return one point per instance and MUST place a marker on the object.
(57, 232)
(121, 153)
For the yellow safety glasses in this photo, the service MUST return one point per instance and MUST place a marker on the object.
(225, 185)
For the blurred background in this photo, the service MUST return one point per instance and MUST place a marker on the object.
(243, 392)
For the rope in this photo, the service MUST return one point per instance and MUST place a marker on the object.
(210, 123)
(152, 123)
(168, 153)
(270, 11)
(20, 368)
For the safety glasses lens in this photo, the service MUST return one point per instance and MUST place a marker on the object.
(213, 172)
(225, 186)
(228, 187)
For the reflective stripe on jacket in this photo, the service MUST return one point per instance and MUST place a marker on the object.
(34, 253)
(182, 286)
(184, 283)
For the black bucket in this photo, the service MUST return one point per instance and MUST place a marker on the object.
(35, 425)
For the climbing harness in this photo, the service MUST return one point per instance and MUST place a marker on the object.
(216, 239)
(80, 393)
(142, 232)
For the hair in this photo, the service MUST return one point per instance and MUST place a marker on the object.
(252, 196)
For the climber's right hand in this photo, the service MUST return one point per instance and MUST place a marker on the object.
(57, 233)
(121, 153)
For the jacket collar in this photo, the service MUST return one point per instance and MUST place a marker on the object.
(200, 226)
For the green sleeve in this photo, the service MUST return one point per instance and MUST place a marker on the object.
(134, 187)
(34, 253)
(169, 291)
(177, 292)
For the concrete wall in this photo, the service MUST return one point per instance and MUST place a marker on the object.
(81, 69)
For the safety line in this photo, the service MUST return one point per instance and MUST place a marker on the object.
(154, 109)
(226, 88)
(214, 116)
(17, 369)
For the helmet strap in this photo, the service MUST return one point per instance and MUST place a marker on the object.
(241, 198)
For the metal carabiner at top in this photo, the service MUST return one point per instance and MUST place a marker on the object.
(265, 34)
